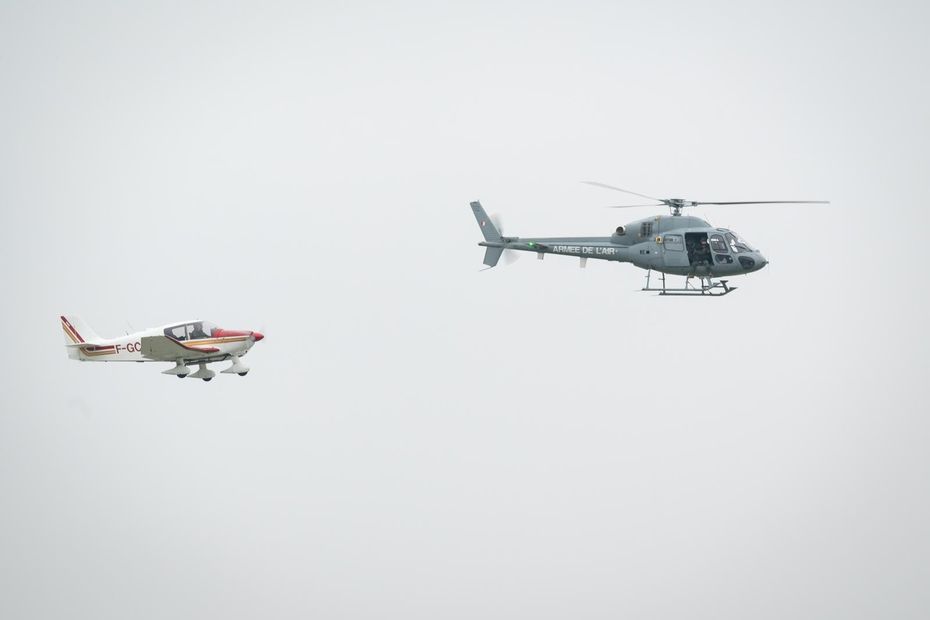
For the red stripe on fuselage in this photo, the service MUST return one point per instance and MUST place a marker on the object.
(228, 333)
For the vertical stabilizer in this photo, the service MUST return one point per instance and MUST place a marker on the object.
(492, 255)
(488, 229)
(76, 331)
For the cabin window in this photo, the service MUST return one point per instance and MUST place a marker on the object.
(674, 242)
(717, 243)
(178, 333)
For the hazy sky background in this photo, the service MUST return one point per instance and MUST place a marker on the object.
(419, 439)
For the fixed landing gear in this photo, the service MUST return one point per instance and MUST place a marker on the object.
(203, 373)
(180, 370)
(237, 367)
(708, 287)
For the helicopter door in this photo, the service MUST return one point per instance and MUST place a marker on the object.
(674, 253)
(698, 250)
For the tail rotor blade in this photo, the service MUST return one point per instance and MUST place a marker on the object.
(498, 222)
(509, 257)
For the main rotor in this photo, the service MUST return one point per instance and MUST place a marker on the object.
(677, 204)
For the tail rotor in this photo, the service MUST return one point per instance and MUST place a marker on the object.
(494, 241)
(509, 256)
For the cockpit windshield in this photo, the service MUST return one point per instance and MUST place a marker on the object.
(201, 329)
(737, 245)
(198, 330)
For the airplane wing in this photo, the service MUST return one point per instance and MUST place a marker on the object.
(169, 350)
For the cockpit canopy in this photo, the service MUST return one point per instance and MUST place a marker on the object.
(195, 330)
(728, 238)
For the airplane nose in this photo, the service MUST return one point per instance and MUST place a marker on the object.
(762, 261)
(256, 336)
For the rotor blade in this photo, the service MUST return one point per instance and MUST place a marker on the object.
(626, 191)
(768, 202)
(511, 256)
(498, 222)
(631, 206)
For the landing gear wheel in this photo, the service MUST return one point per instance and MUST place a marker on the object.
(242, 374)
(207, 378)
(180, 376)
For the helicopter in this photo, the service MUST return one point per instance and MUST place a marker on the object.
(675, 244)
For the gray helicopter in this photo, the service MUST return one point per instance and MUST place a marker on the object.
(673, 244)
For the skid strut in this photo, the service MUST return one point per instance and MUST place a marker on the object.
(708, 287)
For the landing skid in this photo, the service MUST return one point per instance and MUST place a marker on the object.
(708, 287)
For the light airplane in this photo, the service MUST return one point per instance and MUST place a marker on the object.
(669, 244)
(190, 342)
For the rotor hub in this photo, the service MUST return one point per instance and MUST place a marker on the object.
(677, 204)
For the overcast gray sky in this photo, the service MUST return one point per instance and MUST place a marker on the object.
(419, 439)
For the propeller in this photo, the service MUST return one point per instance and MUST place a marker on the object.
(677, 204)
(510, 256)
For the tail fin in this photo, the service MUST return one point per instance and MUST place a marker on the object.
(492, 255)
(488, 229)
(77, 331)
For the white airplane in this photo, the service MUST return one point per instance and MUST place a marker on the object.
(190, 342)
